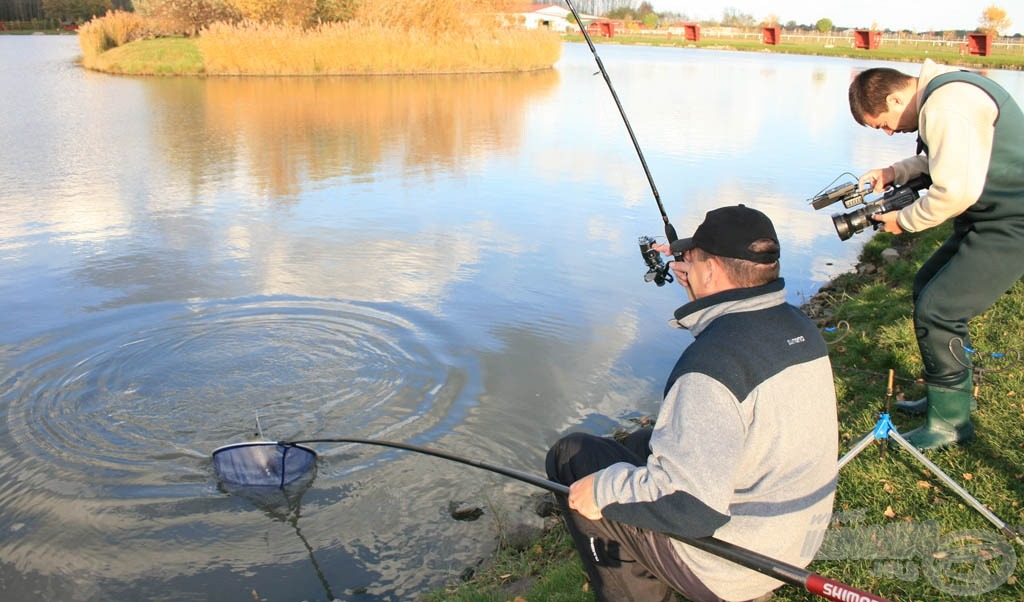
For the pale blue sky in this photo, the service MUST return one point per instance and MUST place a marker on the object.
(892, 14)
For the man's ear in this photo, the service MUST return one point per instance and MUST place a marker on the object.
(712, 269)
(894, 102)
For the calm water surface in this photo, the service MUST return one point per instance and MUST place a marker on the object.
(449, 261)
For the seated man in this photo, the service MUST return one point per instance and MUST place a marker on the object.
(744, 448)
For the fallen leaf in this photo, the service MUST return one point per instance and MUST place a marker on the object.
(968, 476)
(889, 512)
(924, 484)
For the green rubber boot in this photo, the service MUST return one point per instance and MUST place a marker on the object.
(948, 419)
(919, 407)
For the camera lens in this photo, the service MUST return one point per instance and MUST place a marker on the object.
(844, 228)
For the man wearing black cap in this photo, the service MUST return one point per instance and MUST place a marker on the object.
(744, 447)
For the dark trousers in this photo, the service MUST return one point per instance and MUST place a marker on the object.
(622, 562)
(962, 279)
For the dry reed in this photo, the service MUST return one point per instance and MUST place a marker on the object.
(365, 46)
(114, 29)
(381, 37)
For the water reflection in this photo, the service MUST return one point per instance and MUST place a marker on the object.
(288, 132)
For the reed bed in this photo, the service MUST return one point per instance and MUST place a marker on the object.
(376, 37)
(252, 48)
(114, 29)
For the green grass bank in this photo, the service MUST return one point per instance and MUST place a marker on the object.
(898, 531)
(910, 51)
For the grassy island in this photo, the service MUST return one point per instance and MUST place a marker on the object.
(368, 37)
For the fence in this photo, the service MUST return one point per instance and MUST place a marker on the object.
(844, 38)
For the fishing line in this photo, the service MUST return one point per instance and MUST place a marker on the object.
(670, 231)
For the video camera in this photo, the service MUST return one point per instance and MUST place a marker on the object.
(848, 224)
(657, 270)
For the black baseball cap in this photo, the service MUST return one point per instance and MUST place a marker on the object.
(729, 232)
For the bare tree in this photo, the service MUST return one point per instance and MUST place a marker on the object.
(994, 20)
(734, 18)
(600, 7)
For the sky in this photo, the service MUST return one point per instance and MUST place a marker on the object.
(915, 15)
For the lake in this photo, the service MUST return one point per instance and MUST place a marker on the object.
(449, 261)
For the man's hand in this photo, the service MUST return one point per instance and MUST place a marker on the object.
(878, 179)
(581, 498)
(888, 221)
(680, 268)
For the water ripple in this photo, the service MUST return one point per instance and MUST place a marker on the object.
(108, 424)
(140, 398)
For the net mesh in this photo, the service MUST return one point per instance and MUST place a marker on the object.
(262, 463)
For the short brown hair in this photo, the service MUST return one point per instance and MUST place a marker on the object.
(745, 273)
(869, 90)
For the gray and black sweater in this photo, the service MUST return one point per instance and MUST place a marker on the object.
(745, 447)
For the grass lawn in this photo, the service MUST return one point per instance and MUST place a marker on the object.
(159, 56)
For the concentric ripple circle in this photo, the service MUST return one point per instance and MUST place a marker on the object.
(139, 400)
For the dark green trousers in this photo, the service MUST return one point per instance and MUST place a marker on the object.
(962, 279)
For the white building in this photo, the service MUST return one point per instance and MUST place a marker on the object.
(547, 16)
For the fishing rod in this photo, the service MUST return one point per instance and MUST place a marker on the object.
(279, 463)
(670, 231)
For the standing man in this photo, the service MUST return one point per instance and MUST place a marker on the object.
(744, 447)
(971, 133)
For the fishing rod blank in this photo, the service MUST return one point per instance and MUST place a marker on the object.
(670, 231)
(278, 463)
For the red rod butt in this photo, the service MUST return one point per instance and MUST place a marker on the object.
(837, 591)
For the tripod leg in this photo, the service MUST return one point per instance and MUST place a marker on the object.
(963, 493)
(856, 449)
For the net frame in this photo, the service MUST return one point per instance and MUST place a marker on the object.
(263, 463)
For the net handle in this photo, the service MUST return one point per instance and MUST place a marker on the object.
(811, 582)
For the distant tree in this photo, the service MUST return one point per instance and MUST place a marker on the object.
(771, 20)
(294, 12)
(336, 10)
(791, 24)
(733, 18)
(674, 17)
(599, 7)
(20, 10)
(185, 17)
(823, 25)
(994, 20)
(75, 10)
